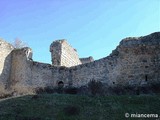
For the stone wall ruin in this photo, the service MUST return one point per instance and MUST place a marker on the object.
(63, 54)
(135, 62)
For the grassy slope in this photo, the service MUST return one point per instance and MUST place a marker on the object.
(51, 107)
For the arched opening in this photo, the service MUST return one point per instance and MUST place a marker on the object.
(60, 84)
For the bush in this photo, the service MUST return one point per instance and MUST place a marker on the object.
(71, 90)
(35, 97)
(71, 110)
(48, 89)
(118, 90)
(5, 95)
(59, 90)
(39, 90)
(84, 90)
(155, 87)
(95, 87)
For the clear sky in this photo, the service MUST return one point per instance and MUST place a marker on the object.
(93, 27)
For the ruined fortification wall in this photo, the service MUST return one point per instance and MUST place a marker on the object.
(69, 55)
(86, 60)
(80, 75)
(5, 63)
(97, 70)
(136, 61)
(21, 69)
(56, 51)
(27, 74)
(63, 54)
(139, 60)
(41, 75)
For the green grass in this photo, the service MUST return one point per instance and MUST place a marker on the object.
(52, 107)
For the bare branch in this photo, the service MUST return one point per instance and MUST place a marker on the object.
(19, 43)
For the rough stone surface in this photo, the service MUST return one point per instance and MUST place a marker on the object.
(86, 60)
(5, 63)
(63, 54)
(135, 61)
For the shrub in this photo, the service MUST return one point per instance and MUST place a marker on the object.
(71, 90)
(35, 97)
(49, 89)
(5, 95)
(155, 87)
(39, 90)
(95, 87)
(83, 90)
(71, 110)
(118, 90)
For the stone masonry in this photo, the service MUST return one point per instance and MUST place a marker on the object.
(63, 54)
(5, 63)
(87, 60)
(135, 61)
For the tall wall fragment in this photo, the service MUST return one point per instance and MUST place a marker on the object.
(63, 54)
(5, 63)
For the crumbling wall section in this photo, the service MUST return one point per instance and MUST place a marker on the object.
(56, 52)
(138, 61)
(69, 55)
(86, 60)
(63, 54)
(135, 62)
(21, 76)
(5, 63)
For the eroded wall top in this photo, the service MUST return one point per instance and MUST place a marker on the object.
(63, 54)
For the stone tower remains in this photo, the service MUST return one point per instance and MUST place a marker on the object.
(63, 54)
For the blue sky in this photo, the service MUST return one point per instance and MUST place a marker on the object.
(93, 27)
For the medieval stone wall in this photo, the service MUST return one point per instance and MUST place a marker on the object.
(135, 62)
(56, 51)
(63, 54)
(139, 60)
(5, 63)
(86, 60)
(21, 68)
(69, 55)
(41, 75)
(28, 73)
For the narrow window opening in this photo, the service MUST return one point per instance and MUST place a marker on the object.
(146, 78)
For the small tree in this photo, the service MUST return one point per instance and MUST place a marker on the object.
(19, 43)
